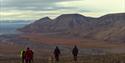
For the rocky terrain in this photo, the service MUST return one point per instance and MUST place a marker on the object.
(109, 27)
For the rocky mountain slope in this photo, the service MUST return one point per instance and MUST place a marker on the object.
(108, 27)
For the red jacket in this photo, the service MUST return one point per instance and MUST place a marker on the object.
(29, 54)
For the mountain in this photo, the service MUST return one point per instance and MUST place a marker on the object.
(72, 24)
(64, 23)
(108, 27)
(41, 25)
(112, 27)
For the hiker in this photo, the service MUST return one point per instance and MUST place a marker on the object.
(22, 55)
(75, 52)
(57, 53)
(28, 56)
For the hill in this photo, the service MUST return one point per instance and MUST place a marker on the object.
(109, 27)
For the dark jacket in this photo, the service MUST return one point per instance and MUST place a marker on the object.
(75, 51)
(56, 51)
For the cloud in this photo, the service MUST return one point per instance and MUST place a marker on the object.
(97, 5)
(30, 3)
(35, 5)
(35, 9)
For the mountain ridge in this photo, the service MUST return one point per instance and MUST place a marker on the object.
(108, 27)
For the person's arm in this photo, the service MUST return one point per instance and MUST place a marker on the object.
(54, 52)
(59, 52)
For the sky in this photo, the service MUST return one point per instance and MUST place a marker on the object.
(36, 9)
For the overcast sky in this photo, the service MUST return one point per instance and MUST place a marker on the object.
(36, 9)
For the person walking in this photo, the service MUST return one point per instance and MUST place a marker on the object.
(75, 52)
(57, 53)
(22, 55)
(28, 55)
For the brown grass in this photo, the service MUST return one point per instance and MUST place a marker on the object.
(83, 43)
(81, 59)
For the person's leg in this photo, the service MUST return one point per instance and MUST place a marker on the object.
(57, 58)
(75, 58)
(26, 60)
(30, 61)
(22, 60)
